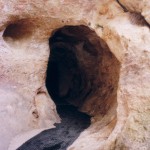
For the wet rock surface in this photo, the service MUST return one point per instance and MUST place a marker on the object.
(59, 138)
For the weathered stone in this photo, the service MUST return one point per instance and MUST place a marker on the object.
(120, 106)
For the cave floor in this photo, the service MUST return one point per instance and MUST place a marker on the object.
(72, 124)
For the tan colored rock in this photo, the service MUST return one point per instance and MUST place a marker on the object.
(142, 7)
(120, 107)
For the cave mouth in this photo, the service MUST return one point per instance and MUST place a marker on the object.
(82, 71)
(73, 65)
(72, 78)
(82, 75)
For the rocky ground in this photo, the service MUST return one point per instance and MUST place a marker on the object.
(65, 133)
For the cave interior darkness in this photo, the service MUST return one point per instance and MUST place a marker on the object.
(73, 65)
(82, 71)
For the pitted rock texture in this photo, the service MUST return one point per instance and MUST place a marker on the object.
(120, 105)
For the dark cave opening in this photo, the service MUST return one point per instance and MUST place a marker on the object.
(64, 76)
(82, 75)
(72, 65)
(72, 74)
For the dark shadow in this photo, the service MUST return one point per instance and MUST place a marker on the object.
(73, 65)
(67, 83)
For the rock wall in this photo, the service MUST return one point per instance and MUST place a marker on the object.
(120, 108)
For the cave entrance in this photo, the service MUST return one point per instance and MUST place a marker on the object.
(82, 71)
(83, 75)
(73, 65)
(71, 78)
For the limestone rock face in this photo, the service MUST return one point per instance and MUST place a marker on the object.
(120, 99)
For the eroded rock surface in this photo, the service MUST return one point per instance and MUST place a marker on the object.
(120, 105)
